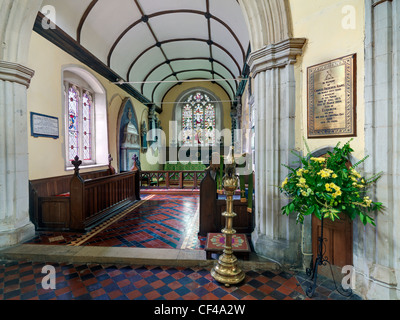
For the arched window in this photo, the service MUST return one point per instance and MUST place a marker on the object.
(85, 118)
(198, 120)
(80, 124)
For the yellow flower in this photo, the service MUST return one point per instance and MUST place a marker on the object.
(302, 181)
(337, 193)
(355, 173)
(325, 173)
(284, 183)
(334, 176)
(320, 159)
(367, 201)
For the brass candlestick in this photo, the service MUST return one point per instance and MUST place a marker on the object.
(226, 270)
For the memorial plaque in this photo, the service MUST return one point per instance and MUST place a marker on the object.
(332, 98)
(44, 126)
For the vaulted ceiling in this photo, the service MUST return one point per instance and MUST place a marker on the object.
(155, 44)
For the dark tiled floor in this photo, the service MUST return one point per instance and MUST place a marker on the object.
(163, 221)
(155, 223)
(23, 281)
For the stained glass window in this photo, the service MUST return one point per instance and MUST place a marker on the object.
(80, 124)
(86, 125)
(73, 126)
(198, 120)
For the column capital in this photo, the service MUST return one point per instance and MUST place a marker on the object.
(14, 72)
(276, 55)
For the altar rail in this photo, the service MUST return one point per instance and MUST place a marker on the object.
(171, 179)
(72, 203)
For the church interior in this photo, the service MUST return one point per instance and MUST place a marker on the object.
(148, 149)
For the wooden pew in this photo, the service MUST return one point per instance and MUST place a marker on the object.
(212, 207)
(79, 202)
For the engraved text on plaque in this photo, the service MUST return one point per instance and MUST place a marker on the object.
(332, 98)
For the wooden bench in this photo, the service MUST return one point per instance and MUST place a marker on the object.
(213, 205)
(79, 202)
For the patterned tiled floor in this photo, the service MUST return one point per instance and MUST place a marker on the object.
(24, 281)
(155, 223)
(159, 221)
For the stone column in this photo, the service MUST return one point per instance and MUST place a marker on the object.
(377, 249)
(276, 236)
(16, 23)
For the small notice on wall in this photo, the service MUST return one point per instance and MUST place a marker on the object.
(332, 98)
(44, 126)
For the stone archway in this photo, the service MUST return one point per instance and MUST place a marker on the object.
(268, 21)
(17, 19)
(274, 52)
(271, 64)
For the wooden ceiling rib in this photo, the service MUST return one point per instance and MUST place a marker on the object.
(228, 59)
(83, 19)
(134, 24)
(184, 71)
(179, 40)
(184, 59)
(208, 15)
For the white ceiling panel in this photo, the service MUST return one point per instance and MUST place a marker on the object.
(224, 38)
(223, 71)
(222, 56)
(230, 12)
(130, 47)
(161, 89)
(146, 63)
(194, 75)
(186, 49)
(152, 6)
(227, 88)
(190, 64)
(179, 25)
(155, 77)
(67, 13)
(105, 23)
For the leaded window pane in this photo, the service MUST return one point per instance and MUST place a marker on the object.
(86, 125)
(198, 120)
(73, 123)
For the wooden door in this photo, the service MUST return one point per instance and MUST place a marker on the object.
(338, 244)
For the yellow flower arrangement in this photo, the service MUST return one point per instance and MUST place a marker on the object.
(326, 186)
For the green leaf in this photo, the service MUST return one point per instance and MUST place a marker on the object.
(291, 207)
(310, 210)
(317, 213)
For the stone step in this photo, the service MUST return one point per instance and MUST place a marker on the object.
(124, 256)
